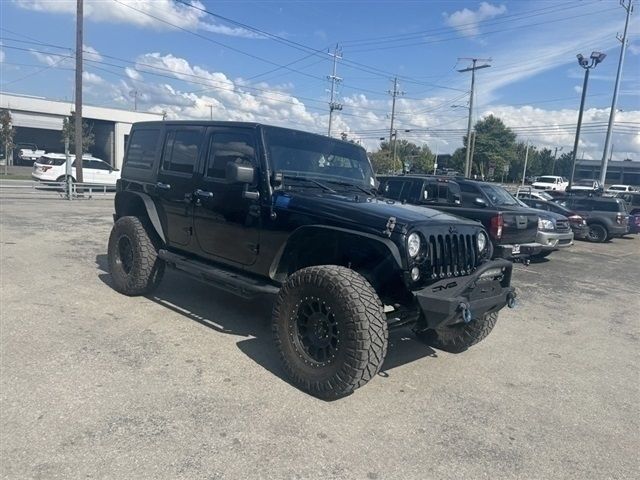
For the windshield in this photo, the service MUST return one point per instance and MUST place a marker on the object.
(305, 155)
(544, 196)
(547, 180)
(498, 195)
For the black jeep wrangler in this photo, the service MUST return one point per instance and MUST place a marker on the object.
(257, 209)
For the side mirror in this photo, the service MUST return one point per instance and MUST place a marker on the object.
(239, 174)
(479, 202)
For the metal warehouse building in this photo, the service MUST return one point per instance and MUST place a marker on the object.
(618, 171)
(39, 120)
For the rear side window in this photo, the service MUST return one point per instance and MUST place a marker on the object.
(236, 147)
(607, 207)
(142, 148)
(181, 151)
(393, 189)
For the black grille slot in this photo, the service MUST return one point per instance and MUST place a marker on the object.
(562, 226)
(451, 255)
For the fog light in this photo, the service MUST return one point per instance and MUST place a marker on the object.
(415, 274)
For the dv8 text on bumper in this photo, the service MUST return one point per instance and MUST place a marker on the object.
(453, 300)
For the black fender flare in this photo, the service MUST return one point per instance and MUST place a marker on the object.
(307, 230)
(150, 207)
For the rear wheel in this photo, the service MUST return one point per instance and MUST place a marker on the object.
(459, 337)
(597, 233)
(133, 258)
(330, 330)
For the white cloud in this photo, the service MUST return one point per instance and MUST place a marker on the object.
(124, 11)
(467, 22)
(132, 73)
(634, 48)
(2, 55)
(92, 78)
(53, 60)
(90, 53)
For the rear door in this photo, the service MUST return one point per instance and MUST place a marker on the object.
(181, 151)
(102, 173)
(226, 222)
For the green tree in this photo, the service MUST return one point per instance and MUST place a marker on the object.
(381, 160)
(7, 133)
(69, 131)
(494, 146)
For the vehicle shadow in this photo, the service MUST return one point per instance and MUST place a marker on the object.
(226, 313)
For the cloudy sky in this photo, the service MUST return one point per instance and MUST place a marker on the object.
(267, 61)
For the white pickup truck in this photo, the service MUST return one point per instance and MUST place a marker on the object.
(551, 182)
(27, 153)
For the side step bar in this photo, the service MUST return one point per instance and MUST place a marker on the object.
(232, 282)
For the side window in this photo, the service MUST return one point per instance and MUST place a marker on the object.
(235, 147)
(141, 150)
(466, 188)
(181, 151)
(100, 165)
(393, 189)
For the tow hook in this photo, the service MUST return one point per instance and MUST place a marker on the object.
(511, 300)
(466, 312)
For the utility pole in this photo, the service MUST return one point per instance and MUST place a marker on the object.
(134, 94)
(333, 105)
(526, 158)
(474, 134)
(628, 6)
(555, 158)
(392, 136)
(210, 111)
(435, 163)
(78, 116)
(472, 69)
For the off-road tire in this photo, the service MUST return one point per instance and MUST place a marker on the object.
(459, 337)
(133, 257)
(359, 330)
(598, 233)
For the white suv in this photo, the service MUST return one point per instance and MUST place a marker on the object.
(52, 167)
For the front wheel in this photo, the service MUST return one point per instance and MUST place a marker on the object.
(459, 337)
(597, 233)
(133, 258)
(330, 330)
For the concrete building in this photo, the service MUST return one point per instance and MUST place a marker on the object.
(626, 172)
(39, 120)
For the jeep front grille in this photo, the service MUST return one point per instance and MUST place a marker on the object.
(452, 255)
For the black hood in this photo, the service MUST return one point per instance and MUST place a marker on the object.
(360, 211)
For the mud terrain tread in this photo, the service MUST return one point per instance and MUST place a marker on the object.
(365, 322)
(147, 270)
(459, 337)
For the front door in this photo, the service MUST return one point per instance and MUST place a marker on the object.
(227, 224)
(174, 187)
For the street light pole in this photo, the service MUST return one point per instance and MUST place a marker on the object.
(596, 58)
(612, 113)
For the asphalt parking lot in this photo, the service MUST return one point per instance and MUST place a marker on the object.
(186, 384)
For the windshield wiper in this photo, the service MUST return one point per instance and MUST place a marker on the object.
(359, 187)
(311, 180)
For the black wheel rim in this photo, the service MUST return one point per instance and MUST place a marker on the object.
(316, 332)
(595, 233)
(125, 254)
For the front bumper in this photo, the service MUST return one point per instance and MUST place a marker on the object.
(516, 251)
(486, 290)
(554, 240)
(580, 232)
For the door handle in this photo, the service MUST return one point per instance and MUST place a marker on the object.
(163, 186)
(203, 194)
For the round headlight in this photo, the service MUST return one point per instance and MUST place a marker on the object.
(413, 245)
(482, 241)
